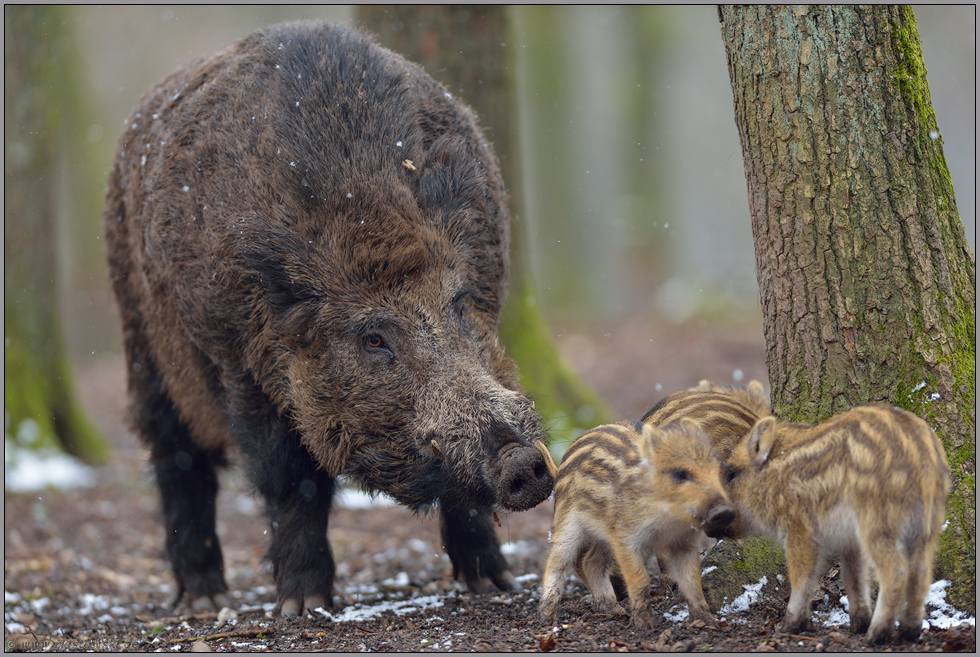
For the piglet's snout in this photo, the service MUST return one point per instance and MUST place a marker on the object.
(524, 479)
(718, 520)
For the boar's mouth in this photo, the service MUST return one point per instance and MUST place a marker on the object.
(525, 477)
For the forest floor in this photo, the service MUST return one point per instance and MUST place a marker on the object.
(84, 567)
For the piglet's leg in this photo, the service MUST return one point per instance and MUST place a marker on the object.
(802, 564)
(566, 542)
(474, 549)
(854, 572)
(634, 571)
(919, 578)
(594, 570)
(684, 566)
(893, 570)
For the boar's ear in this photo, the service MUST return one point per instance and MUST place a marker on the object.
(452, 179)
(283, 265)
(761, 439)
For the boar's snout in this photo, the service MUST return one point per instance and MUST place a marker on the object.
(525, 480)
(719, 520)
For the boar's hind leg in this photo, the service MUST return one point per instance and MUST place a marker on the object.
(474, 549)
(187, 477)
(298, 497)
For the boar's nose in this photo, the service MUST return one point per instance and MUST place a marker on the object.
(718, 520)
(524, 478)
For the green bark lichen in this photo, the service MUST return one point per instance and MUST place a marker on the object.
(956, 560)
(738, 564)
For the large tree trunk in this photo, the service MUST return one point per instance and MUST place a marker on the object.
(464, 47)
(868, 285)
(39, 402)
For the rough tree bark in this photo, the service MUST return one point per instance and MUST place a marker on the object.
(868, 285)
(464, 48)
(37, 376)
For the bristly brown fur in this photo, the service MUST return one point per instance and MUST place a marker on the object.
(288, 286)
(868, 485)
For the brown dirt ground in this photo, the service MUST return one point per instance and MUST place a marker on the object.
(84, 569)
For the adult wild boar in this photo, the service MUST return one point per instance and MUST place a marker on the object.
(307, 237)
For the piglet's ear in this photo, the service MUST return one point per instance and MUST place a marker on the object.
(761, 440)
(690, 426)
(650, 439)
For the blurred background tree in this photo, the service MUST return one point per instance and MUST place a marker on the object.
(41, 97)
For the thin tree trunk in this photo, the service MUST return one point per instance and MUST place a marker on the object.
(37, 374)
(464, 47)
(868, 285)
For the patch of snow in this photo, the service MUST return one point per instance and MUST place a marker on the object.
(939, 613)
(678, 616)
(518, 548)
(834, 618)
(359, 612)
(744, 601)
(26, 470)
(943, 615)
(91, 603)
(353, 498)
(401, 579)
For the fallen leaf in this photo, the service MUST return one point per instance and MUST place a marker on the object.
(546, 641)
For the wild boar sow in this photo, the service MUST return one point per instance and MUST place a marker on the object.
(868, 485)
(307, 237)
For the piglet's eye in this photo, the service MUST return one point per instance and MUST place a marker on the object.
(680, 475)
(730, 474)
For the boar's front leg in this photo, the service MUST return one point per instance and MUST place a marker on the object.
(474, 549)
(297, 496)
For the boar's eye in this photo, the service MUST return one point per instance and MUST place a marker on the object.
(463, 324)
(680, 475)
(374, 343)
